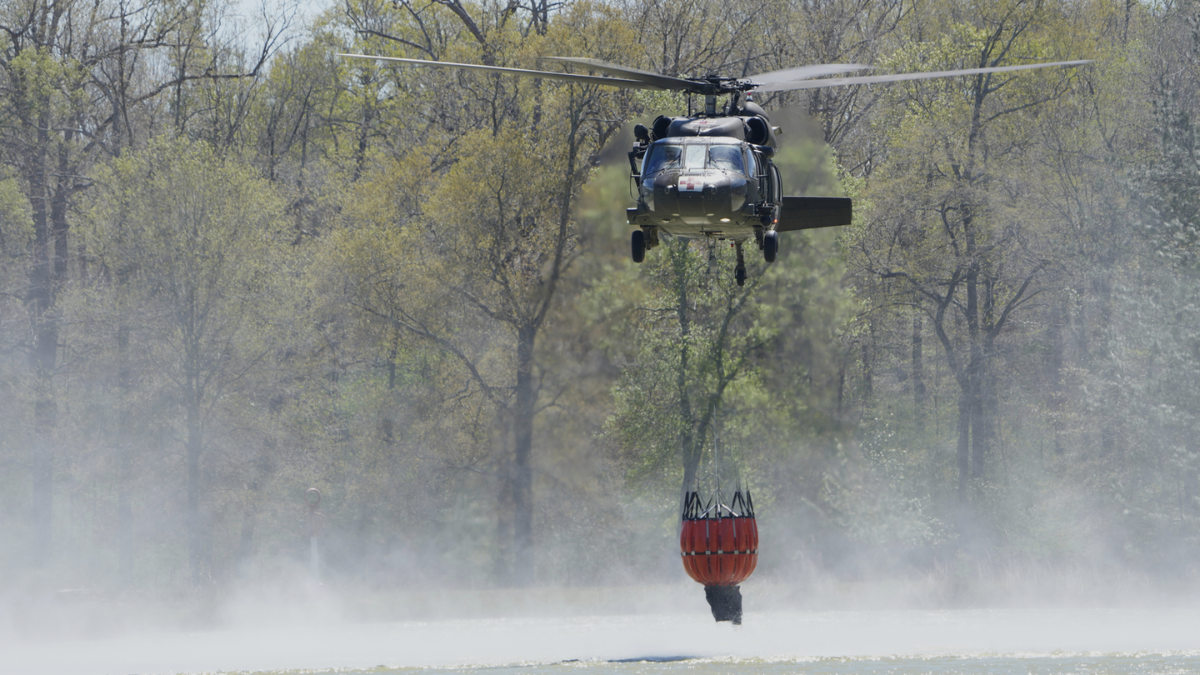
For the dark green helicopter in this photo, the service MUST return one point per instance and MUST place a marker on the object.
(709, 175)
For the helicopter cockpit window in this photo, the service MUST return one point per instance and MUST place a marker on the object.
(693, 156)
(725, 158)
(662, 158)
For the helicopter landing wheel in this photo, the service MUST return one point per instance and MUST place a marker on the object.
(638, 242)
(770, 245)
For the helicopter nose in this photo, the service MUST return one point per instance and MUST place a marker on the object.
(696, 198)
(703, 186)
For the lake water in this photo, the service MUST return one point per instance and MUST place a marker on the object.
(1019, 641)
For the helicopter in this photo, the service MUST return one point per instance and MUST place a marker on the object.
(708, 174)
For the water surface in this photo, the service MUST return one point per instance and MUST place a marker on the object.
(1018, 642)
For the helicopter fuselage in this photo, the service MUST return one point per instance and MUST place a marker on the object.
(707, 177)
(705, 186)
(711, 177)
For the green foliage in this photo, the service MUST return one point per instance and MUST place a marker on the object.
(1168, 193)
(188, 252)
(16, 226)
(410, 287)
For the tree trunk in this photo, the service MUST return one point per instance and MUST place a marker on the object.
(1102, 286)
(983, 425)
(867, 349)
(45, 419)
(964, 442)
(1057, 399)
(976, 360)
(522, 471)
(503, 560)
(363, 132)
(124, 444)
(42, 293)
(197, 531)
(918, 375)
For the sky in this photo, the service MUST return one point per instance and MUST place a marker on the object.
(249, 13)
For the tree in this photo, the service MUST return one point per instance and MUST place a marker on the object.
(482, 250)
(75, 84)
(189, 244)
(837, 31)
(696, 338)
(951, 234)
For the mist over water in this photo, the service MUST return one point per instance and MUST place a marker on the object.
(910, 641)
(652, 629)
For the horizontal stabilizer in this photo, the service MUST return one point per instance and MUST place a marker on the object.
(806, 213)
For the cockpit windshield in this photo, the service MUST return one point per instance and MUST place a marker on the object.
(725, 157)
(667, 156)
(661, 158)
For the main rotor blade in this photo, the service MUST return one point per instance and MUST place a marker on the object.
(872, 79)
(806, 72)
(660, 81)
(566, 77)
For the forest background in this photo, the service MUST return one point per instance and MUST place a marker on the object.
(236, 266)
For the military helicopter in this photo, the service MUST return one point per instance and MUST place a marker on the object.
(709, 175)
